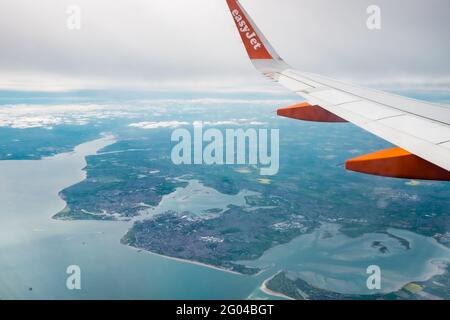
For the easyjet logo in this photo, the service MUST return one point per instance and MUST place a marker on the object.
(245, 29)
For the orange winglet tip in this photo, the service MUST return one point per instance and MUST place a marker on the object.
(253, 43)
(397, 163)
(307, 112)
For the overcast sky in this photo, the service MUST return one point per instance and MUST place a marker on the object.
(193, 44)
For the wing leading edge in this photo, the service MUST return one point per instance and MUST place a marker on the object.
(420, 130)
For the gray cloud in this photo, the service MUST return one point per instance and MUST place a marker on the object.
(192, 44)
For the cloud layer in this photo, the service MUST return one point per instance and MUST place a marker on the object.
(193, 44)
(24, 116)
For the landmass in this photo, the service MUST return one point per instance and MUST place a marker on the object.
(126, 180)
(223, 241)
(286, 284)
(38, 143)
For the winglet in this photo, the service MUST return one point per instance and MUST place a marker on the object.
(250, 36)
(258, 48)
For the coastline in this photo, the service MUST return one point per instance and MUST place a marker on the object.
(440, 266)
(186, 261)
(30, 237)
(266, 290)
(104, 141)
(82, 153)
(41, 230)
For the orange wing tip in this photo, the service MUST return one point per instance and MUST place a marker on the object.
(307, 112)
(253, 43)
(397, 163)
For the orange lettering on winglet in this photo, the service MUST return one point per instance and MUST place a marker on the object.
(307, 112)
(397, 163)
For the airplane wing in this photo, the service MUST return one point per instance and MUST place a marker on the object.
(419, 130)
